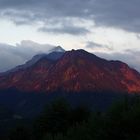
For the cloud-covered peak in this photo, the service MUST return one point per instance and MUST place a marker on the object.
(11, 56)
(57, 49)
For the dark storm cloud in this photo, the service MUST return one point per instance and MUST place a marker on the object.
(122, 14)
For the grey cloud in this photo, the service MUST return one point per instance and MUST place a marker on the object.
(72, 30)
(138, 36)
(20, 17)
(93, 45)
(122, 14)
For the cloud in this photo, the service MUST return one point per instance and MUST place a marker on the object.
(122, 14)
(96, 46)
(11, 56)
(72, 17)
(72, 30)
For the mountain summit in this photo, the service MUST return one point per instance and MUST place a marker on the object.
(73, 71)
(57, 49)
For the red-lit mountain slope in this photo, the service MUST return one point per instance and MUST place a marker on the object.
(74, 71)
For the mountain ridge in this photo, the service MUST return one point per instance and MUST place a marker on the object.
(74, 71)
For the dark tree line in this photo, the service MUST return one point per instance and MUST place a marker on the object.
(59, 121)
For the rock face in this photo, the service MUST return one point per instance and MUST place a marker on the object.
(73, 71)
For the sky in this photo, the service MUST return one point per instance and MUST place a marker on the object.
(107, 28)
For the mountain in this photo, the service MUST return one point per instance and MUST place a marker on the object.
(72, 71)
(57, 49)
(54, 53)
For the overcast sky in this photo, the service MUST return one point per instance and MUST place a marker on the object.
(109, 28)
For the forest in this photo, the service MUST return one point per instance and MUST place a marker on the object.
(60, 121)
